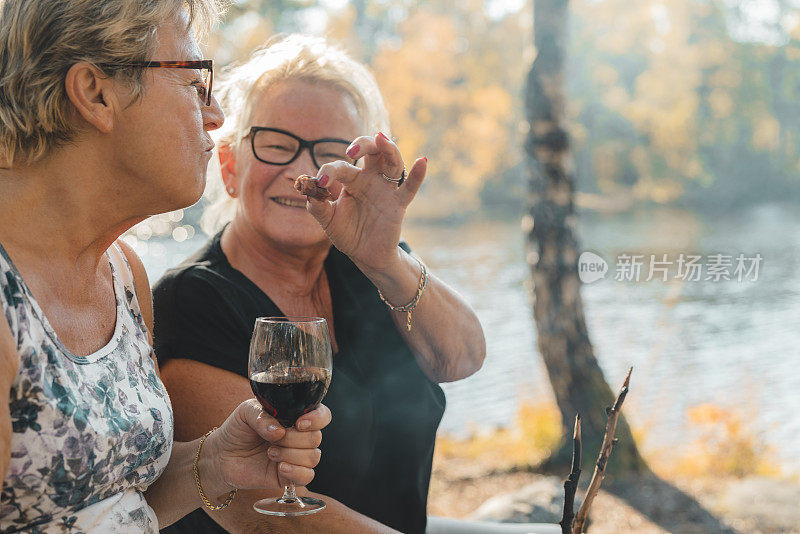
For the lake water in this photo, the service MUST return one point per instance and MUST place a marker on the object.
(730, 343)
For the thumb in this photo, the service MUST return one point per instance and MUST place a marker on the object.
(414, 180)
(250, 414)
(322, 210)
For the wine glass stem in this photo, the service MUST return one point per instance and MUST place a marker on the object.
(288, 493)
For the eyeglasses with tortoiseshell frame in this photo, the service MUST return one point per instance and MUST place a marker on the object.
(206, 66)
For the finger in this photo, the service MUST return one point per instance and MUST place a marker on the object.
(302, 476)
(316, 419)
(253, 415)
(294, 439)
(380, 155)
(321, 210)
(302, 457)
(270, 473)
(413, 181)
(393, 159)
(361, 146)
(341, 171)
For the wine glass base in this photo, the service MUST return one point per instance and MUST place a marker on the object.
(289, 507)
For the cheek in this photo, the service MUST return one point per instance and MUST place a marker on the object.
(258, 179)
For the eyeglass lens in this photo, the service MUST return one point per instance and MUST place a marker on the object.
(279, 149)
(208, 80)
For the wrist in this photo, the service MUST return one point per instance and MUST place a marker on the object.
(209, 470)
(409, 307)
(388, 271)
(396, 280)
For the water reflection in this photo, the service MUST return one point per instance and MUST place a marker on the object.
(733, 344)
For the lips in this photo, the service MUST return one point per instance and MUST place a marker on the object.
(290, 202)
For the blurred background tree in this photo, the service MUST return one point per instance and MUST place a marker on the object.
(552, 253)
(691, 102)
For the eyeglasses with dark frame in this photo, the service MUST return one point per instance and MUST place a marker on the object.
(205, 65)
(279, 147)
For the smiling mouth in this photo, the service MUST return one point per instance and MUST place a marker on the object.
(289, 202)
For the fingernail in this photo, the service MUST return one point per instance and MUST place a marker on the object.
(426, 160)
(272, 452)
(383, 135)
(285, 468)
(273, 428)
(305, 424)
(352, 151)
(323, 180)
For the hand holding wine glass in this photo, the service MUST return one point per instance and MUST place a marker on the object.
(290, 369)
(250, 441)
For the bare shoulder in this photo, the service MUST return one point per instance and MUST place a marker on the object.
(139, 272)
(143, 293)
(206, 399)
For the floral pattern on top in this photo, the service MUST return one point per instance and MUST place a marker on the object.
(89, 433)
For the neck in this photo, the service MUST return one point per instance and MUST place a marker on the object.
(68, 208)
(298, 268)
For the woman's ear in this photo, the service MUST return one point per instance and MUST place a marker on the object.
(91, 93)
(227, 164)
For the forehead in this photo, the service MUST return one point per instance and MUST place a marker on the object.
(175, 40)
(310, 110)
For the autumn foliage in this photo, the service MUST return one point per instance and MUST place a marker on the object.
(668, 101)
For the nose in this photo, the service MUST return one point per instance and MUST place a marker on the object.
(212, 115)
(304, 164)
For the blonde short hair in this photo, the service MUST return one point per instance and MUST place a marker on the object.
(41, 39)
(283, 59)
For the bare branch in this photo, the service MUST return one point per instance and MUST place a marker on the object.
(571, 484)
(605, 452)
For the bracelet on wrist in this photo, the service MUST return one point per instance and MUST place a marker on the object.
(409, 308)
(203, 497)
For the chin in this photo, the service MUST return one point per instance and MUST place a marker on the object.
(192, 192)
(178, 199)
(297, 237)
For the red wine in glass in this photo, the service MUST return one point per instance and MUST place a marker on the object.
(290, 368)
(288, 394)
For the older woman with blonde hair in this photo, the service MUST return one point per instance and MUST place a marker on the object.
(105, 109)
(301, 106)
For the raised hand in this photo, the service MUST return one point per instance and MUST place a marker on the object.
(364, 218)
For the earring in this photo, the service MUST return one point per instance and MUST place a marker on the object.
(231, 190)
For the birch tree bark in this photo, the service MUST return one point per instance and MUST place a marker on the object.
(552, 250)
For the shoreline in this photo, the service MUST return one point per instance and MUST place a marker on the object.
(641, 504)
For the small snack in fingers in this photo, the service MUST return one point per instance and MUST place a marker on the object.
(307, 185)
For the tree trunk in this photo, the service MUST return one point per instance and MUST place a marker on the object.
(552, 251)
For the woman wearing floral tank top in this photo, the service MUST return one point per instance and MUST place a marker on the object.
(104, 119)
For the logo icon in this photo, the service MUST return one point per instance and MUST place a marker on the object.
(591, 267)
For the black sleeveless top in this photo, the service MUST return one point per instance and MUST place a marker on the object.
(377, 451)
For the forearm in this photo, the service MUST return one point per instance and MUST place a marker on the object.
(336, 518)
(175, 493)
(445, 335)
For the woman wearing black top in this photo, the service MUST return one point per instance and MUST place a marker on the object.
(293, 109)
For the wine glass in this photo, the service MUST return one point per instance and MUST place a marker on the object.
(290, 369)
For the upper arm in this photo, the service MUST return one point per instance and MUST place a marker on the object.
(9, 363)
(204, 401)
(143, 294)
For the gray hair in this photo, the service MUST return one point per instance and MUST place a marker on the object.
(41, 39)
(286, 58)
